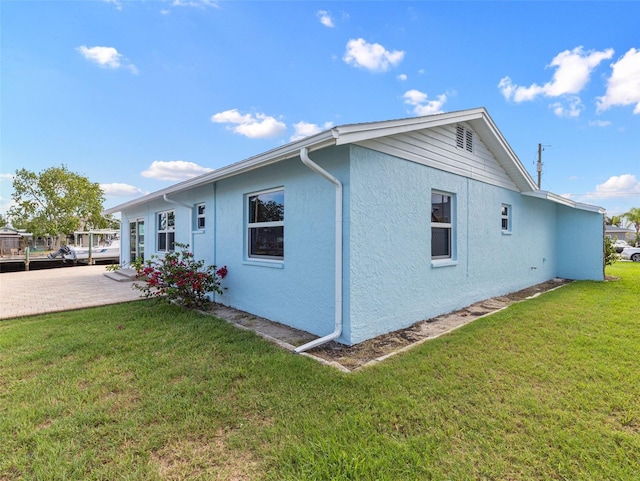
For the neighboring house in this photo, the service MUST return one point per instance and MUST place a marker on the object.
(13, 241)
(368, 228)
(619, 233)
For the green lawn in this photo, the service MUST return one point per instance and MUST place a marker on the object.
(546, 389)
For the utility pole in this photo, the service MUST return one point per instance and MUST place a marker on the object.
(539, 165)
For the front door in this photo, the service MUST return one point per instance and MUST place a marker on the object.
(136, 240)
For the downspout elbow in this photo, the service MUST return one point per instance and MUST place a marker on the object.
(337, 332)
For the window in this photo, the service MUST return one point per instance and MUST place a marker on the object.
(464, 138)
(506, 217)
(441, 225)
(265, 224)
(166, 230)
(200, 219)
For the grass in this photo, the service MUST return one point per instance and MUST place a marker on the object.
(546, 389)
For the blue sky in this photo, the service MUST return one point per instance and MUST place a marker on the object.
(140, 95)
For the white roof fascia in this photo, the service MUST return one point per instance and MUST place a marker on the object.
(479, 118)
(353, 133)
(315, 142)
(524, 181)
(558, 199)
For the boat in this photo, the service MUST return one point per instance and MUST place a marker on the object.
(109, 249)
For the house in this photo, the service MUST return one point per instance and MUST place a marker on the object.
(368, 228)
(619, 233)
(13, 241)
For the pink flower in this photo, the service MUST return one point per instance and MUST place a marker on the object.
(222, 272)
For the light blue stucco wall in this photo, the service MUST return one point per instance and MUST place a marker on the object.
(580, 240)
(300, 290)
(393, 281)
(389, 279)
(199, 242)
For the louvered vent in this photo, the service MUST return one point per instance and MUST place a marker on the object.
(460, 137)
(464, 138)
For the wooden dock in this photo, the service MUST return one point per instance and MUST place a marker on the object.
(21, 263)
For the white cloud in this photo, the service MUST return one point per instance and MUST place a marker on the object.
(6, 177)
(599, 123)
(573, 70)
(571, 108)
(174, 170)
(305, 129)
(402, 77)
(195, 3)
(421, 103)
(121, 190)
(252, 126)
(116, 3)
(371, 56)
(617, 186)
(623, 87)
(106, 57)
(325, 18)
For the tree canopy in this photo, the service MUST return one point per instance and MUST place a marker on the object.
(55, 202)
(614, 220)
(633, 219)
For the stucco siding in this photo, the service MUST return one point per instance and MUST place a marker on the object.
(298, 291)
(390, 280)
(394, 282)
(183, 224)
(579, 241)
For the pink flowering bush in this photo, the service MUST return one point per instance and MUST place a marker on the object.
(178, 278)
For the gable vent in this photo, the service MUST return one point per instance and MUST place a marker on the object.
(469, 141)
(460, 137)
(464, 138)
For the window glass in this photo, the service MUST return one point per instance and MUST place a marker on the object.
(200, 217)
(441, 225)
(267, 207)
(166, 230)
(440, 208)
(506, 217)
(440, 242)
(266, 225)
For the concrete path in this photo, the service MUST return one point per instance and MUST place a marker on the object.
(63, 289)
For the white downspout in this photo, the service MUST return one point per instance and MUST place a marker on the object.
(190, 207)
(304, 156)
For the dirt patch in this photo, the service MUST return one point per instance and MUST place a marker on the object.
(203, 459)
(350, 358)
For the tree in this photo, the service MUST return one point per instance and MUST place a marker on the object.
(610, 253)
(614, 220)
(55, 202)
(3, 221)
(633, 219)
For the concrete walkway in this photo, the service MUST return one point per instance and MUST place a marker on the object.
(53, 290)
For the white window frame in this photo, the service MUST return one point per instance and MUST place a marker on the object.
(505, 218)
(167, 231)
(200, 216)
(443, 225)
(255, 225)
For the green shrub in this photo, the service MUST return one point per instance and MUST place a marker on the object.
(178, 277)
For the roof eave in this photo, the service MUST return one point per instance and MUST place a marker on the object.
(558, 199)
(314, 142)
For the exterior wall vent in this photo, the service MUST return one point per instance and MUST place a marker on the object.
(460, 137)
(464, 138)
